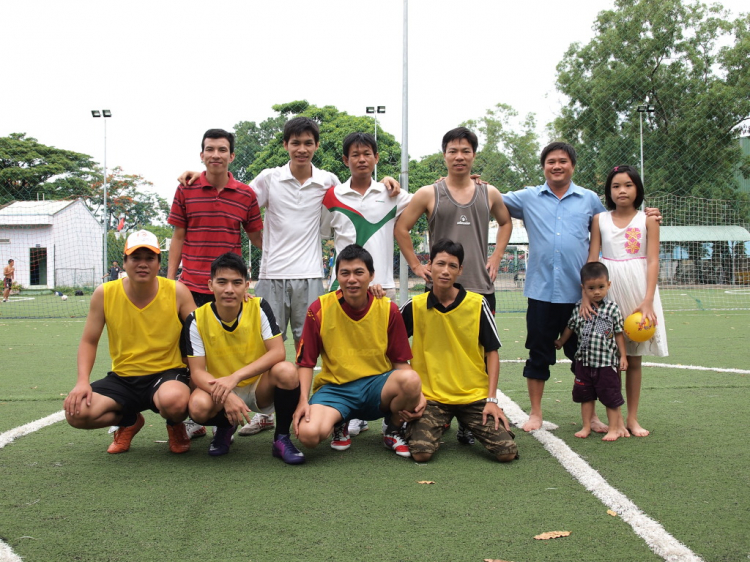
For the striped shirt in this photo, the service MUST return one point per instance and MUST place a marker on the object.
(212, 221)
(596, 337)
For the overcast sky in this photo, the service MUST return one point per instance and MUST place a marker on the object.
(169, 70)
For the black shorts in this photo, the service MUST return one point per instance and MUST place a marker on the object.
(136, 394)
(202, 298)
(7, 283)
(603, 383)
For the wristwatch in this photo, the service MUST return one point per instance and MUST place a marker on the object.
(493, 400)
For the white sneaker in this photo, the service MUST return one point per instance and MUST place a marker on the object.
(259, 423)
(397, 444)
(194, 430)
(357, 426)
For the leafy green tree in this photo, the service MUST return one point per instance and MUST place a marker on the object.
(507, 159)
(251, 139)
(127, 199)
(334, 126)
(692, 64)
(30, 170)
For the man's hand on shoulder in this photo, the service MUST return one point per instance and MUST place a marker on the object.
(393, 187)
(187, 178)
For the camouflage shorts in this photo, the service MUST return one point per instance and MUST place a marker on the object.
(424, 434)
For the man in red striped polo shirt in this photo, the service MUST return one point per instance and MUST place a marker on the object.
(207, 217)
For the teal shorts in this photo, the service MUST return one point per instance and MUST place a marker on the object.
(358, 399)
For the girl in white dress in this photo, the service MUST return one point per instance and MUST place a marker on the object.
(629, 244)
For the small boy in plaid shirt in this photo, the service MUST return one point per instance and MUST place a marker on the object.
(601, 353)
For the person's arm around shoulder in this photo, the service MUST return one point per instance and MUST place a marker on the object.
(188, 177)
(391, 185)
(500, 213)
(646, 307)
(92, 332)
(175, 251)
(420, 204)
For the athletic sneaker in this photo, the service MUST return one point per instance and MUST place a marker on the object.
(464, 436)
(257, 424)
(284, 449)
(221, 441)
(395, 442)
(341, 440)
(179, 442)
(194, 430)
(213, 432)
(123, 436)
(357, 426)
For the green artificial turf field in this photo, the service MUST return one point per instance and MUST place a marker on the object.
(62, 497)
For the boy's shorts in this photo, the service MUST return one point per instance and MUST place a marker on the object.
(358, 399)
(247, 393)
(424, 434)
(289, 300)
(597, 382)
(136, 394)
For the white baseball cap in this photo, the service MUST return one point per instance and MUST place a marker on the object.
(142, 239)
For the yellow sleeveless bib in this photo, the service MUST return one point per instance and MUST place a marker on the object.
(447, 352)
(143, 341)
(226, 351)
(352, 349)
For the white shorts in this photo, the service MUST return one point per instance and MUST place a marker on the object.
(289, 300)
(247, 393)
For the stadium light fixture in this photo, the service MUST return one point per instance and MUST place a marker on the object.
(104, 113)
(374, 110)
(641, 110)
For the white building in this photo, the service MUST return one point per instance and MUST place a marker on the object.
(53, 243)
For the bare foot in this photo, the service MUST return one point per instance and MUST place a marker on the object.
(585, 432)
(534, 422)
(636, 429)
(598, 426)
(615, 434)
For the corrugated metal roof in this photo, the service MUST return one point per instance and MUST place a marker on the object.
(703, 234)
(26, 208)
(28, 213)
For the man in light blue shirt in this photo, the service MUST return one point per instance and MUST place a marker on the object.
(557, 217)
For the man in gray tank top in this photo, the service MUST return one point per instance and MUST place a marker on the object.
(460, 210)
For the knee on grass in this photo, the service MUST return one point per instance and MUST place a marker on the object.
(421, 457)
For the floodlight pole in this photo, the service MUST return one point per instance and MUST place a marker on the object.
(105, 113)
(641, 110)
(375, 110)
(403, 268)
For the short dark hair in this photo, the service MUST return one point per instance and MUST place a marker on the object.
(10, 260)
(564, 146)
(298, 125)
(593, 270)
(449, 247)
(218, 134)
(232, 261)
(634, 176)
(355, 252)
(460, 133)
(363, 139)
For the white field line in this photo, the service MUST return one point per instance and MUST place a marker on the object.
(6, 553)
(656, 537)
(663, 365)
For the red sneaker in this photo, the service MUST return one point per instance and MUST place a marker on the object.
(123, 436)
(179, 442)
